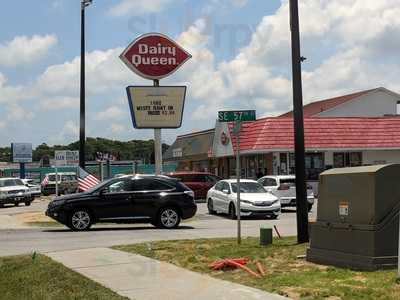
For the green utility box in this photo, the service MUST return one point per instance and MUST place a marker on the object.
(265, 235)
(357, 222)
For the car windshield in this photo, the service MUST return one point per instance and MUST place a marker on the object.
(248, 187)
(10, 182)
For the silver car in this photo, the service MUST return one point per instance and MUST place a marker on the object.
(284, 187)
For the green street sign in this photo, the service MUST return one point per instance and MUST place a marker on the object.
(236, 115)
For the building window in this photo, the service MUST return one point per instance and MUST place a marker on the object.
(314, 165)
(347, 159)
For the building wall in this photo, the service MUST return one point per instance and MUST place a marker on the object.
(381, 157)
(375, 104)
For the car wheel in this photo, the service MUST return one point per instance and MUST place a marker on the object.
(16, 204)
(168, 218)
(27, 203)
(80, 220)
(232, 211)
(210, 206)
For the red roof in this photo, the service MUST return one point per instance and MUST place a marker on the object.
(314, 108)
(272, 134)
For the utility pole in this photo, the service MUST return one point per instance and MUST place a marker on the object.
(301, 191)
(82, 134)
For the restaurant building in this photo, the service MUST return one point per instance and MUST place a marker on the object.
(352, 130)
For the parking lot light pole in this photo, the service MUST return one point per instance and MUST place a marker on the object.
(301, 196)
(82, 135)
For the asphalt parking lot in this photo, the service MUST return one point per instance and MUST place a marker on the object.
(18, 238)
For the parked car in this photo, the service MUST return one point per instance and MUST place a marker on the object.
(14, 191)
(254, 199)
(199, 182)
(34, 188)
(158, 200)
(284, 187)
(67, 183)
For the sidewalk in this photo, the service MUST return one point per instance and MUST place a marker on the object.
(142, 278)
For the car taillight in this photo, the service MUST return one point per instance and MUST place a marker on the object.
(283, 187)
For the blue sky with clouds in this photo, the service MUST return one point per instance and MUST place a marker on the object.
(241, 59)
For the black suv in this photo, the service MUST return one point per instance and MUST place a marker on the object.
(159, 200)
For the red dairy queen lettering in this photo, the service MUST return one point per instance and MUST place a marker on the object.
(154, 56)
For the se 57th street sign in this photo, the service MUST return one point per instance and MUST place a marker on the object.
(154, 56)
(156, 107)
(238, 115)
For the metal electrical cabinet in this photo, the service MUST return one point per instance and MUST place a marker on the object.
(357, 222)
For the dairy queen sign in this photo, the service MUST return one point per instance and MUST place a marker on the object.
(155, 56)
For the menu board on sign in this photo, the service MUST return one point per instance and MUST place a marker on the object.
(156, 107)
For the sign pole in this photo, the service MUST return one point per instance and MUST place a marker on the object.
(157, 142)
(22, 170)
(238, 175)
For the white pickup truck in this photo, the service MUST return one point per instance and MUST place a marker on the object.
(14, 191)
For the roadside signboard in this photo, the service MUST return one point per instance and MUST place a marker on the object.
(21, 152)
(154, 56)
(156, 107)
(66, 158)
(238, 115)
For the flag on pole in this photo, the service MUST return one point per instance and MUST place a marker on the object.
(86, 180)
(45, 180)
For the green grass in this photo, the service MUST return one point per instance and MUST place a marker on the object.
(286, 274)
(22, 277)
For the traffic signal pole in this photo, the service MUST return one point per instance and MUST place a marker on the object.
(301, 191)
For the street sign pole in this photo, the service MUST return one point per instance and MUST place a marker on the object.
(157, 142)
(301, 191)
(238, 175)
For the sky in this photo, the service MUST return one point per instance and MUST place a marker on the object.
(241, 60)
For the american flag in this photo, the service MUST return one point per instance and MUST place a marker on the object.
(45, 180)
(86, 180)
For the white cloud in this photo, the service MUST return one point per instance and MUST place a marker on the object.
(111, 113)
(18, 113)
(138, 7)
(24, 50)
(59, 103)
(69, 131)
(117, 128)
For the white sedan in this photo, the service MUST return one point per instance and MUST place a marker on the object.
(254, 199)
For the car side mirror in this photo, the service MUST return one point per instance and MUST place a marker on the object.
(102, 192)
(225, 191)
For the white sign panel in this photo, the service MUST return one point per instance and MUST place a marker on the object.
(177, 152)
(66, 158)
(156, 107)
(21, 152)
